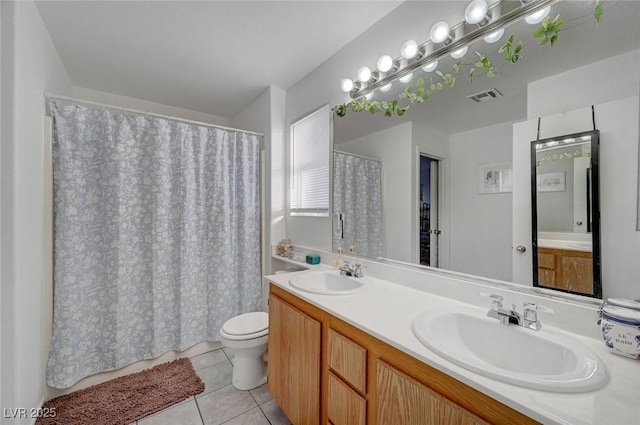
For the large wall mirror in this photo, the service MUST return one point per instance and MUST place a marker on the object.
(445, 196)
(565, 201)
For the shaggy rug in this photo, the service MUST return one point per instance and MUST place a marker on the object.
(124, 400)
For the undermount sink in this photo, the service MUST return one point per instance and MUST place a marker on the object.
(532, 359)
(329, 282)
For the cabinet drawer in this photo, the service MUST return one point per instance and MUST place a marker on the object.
(348, 360)
(546, 260)
(344, 406)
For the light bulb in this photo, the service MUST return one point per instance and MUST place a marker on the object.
(409, 49)
(385, 63)
(346, 85)
(494, 36)
(364, 74)
(406, 78)
(368, 96)
(386, 88)
(457, 54)
(476, 12)
(430, 67)
(439, 32)
(537, 17)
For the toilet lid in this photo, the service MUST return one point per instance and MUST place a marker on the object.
(246, 324)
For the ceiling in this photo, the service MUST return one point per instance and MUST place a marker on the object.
(208, 56)
(218, 56)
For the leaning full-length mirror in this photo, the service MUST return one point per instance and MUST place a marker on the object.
(565, 201)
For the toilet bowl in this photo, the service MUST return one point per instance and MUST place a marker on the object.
(246, 335)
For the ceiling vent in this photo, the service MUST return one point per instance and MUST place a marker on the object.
(485, 96)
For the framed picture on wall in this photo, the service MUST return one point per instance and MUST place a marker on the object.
(551, 182)
(495, 178)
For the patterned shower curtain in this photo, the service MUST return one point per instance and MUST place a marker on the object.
(357, 194)
(156, 240)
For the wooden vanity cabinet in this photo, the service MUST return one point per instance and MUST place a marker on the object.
(566, 269)
(360, 379)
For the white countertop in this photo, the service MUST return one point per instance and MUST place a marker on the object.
(387, 311)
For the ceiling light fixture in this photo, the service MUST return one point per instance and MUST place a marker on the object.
(405, 79)
(494, 36)
(409, 49)
(346, 85)
(364, 74)
(482, 21)
(385, 63)
(440, 32)
(457, 54)
(537, 17)
(476, 12)
(430, 67)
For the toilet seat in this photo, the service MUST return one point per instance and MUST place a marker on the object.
(246, 326)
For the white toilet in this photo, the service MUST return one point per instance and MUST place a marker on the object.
(246, 335)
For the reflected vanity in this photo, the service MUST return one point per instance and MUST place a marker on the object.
(565, 203)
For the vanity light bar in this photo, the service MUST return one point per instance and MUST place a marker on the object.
(470, 33)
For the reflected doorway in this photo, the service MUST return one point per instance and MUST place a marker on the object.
(428, 210)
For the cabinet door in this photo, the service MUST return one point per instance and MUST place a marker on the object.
(401, 400)
(294, 362)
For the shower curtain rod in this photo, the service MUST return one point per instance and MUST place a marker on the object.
(358, 156)
(151, 114)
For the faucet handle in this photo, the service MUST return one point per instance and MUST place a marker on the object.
(536, 307)
(496, 302)
(531, 311)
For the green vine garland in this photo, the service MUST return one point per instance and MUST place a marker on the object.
(511, 51)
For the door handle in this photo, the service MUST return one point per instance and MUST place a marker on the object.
(521, 249)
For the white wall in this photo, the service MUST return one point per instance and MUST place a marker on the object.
(480, 224)
(30, 66)
(599, 82)
(266, 115)
(393, 147)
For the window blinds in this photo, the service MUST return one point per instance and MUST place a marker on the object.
(310, 160)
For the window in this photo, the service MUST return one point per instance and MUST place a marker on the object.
(309, 166)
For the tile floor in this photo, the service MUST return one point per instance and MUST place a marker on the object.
(220, 403)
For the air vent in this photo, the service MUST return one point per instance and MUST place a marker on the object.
(485, 96)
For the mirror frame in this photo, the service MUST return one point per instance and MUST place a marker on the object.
(594, 205)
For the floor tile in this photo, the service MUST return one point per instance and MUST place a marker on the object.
(226, 403)
(180, 414)
(274, 414)
(261, 394)
(217, 376)
(252, 417)
(208, 359)
(229, 353)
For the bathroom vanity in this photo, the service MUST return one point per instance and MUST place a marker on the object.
(353, 359)
(324, 370)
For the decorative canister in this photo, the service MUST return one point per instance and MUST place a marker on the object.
(621, 329)
(285, 247)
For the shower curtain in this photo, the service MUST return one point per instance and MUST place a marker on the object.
(357, 194)
(156, 237)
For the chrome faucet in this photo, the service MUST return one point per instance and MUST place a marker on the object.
(498, 311)
(346, 270)
(529, 318)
